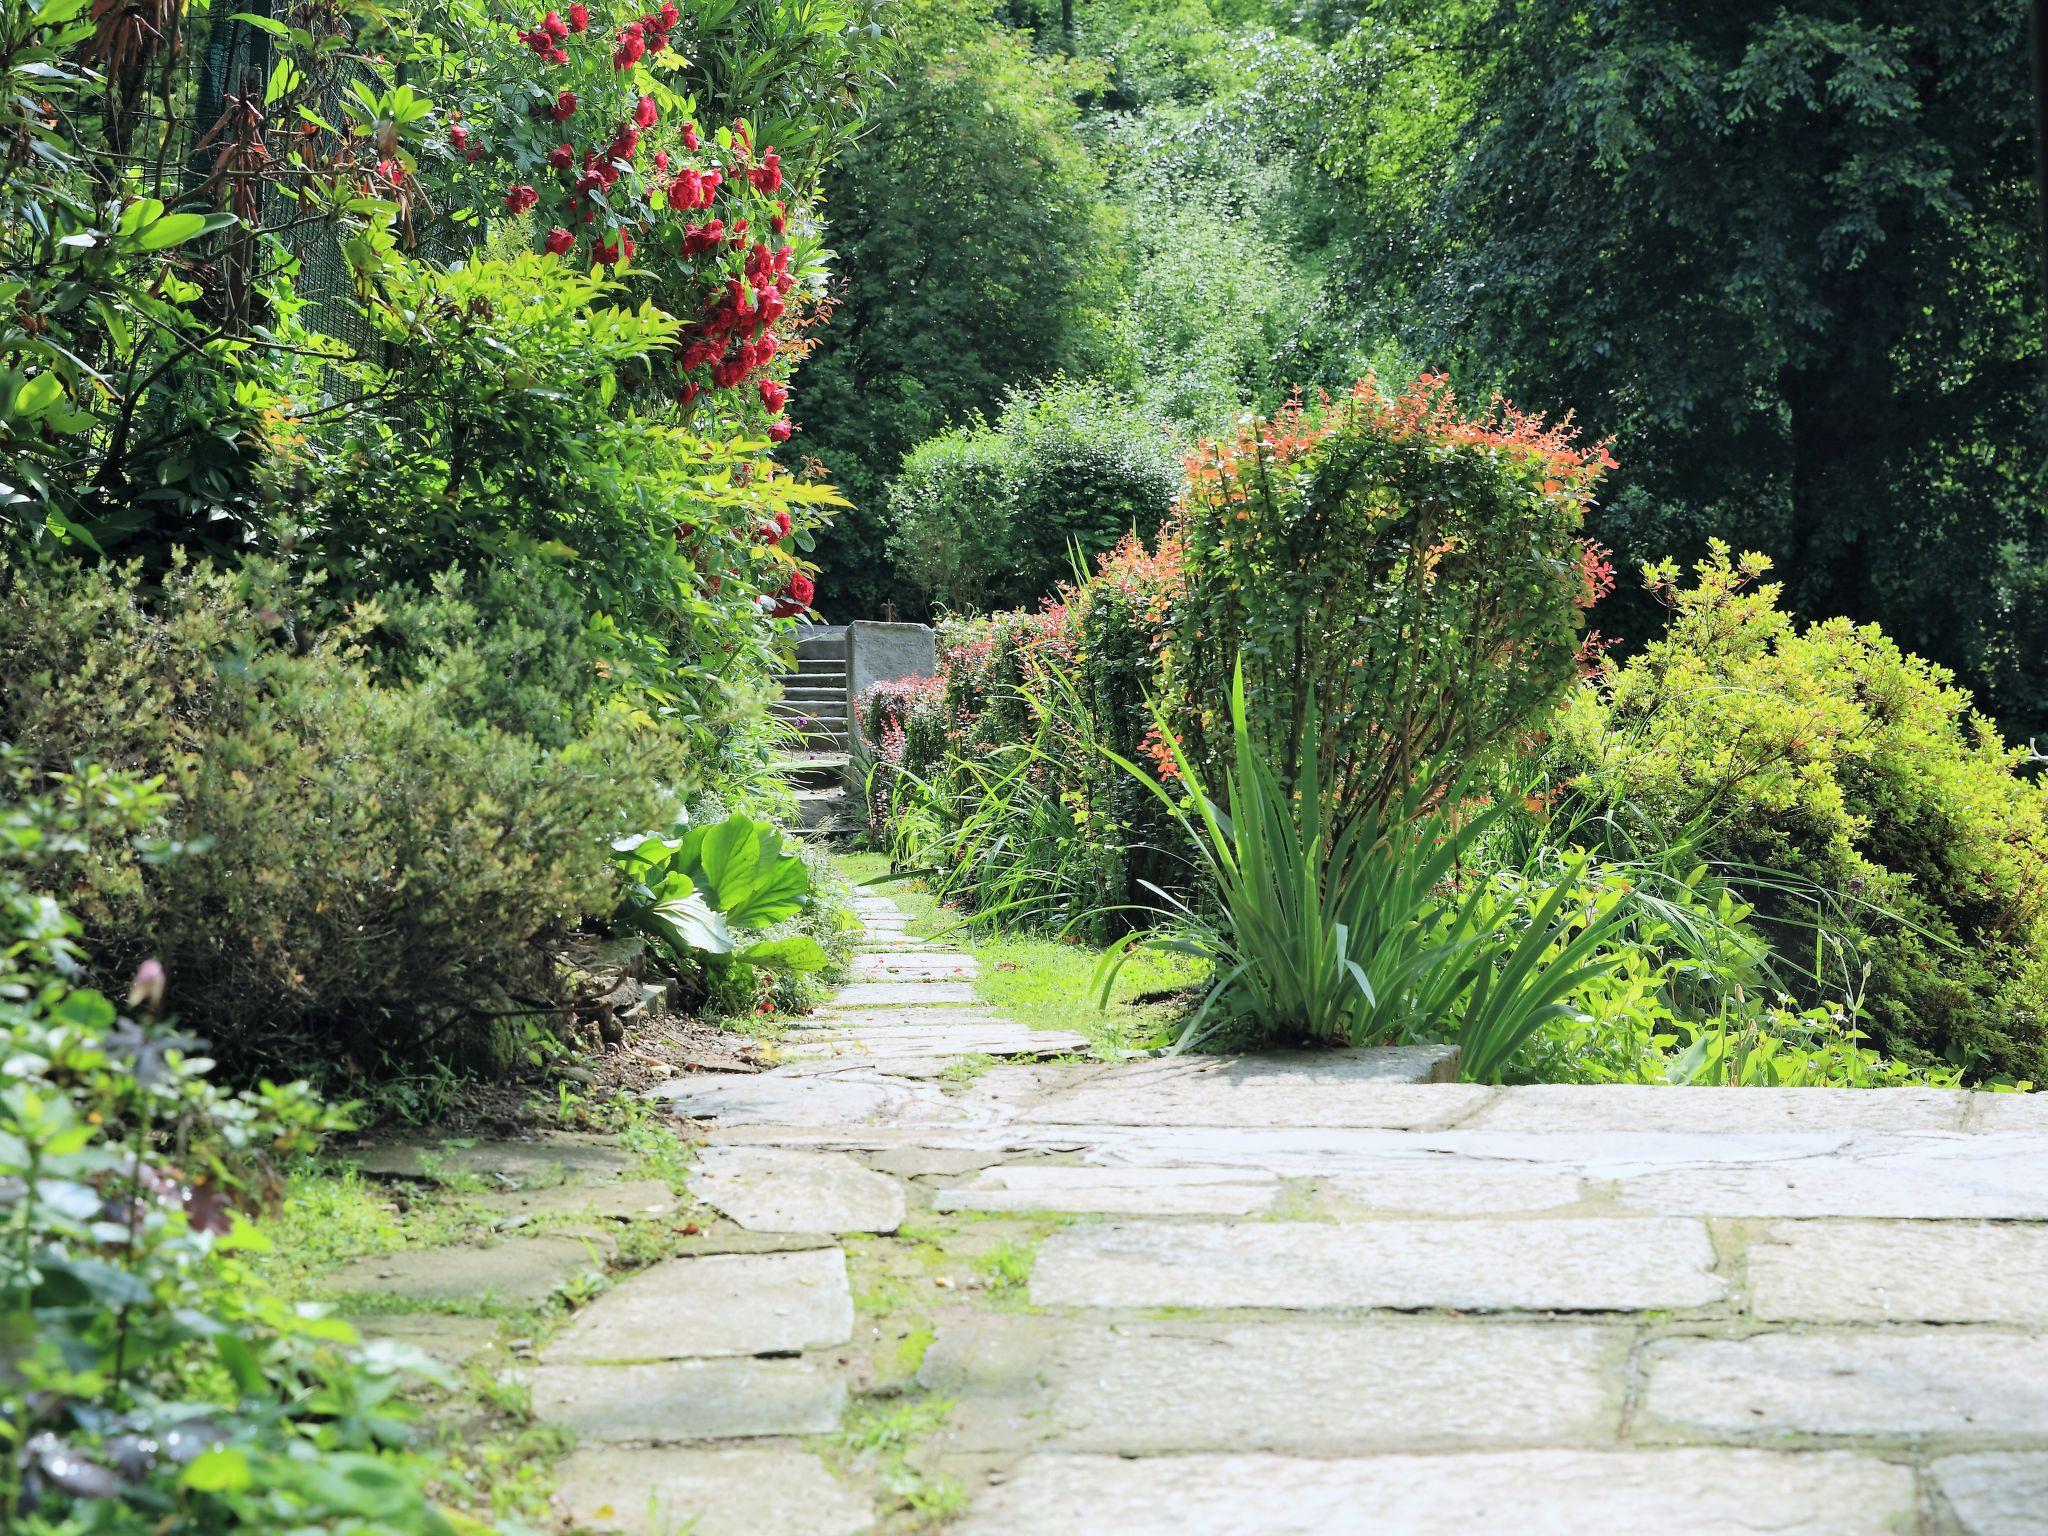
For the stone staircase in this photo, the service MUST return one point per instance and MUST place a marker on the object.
(813, 701)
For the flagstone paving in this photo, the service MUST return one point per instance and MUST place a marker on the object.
(1045, 1295)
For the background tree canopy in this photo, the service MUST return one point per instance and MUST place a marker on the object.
(1786, 257)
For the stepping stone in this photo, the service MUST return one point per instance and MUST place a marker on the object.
(1702, 1111)
(1867, 1382)
(1309, 1387)
(1956, 1177)
(1525, 1493)
(521, 1273)
(941, 965)
(722, 1492)
(504, 1164)
(1565, 1265)
(1381, 1089)
(1932, 1271)
(619, 1200)
(1995, 1493)
(672, 1400)
(768, 1189)
(884, 941)
(1114, 1191)
(845, 1098)
(902, 994)
(448, 1340)
(1454, 1187)
(726, 1304)
(991, 1037)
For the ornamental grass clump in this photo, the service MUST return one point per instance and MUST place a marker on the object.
(1328, 923)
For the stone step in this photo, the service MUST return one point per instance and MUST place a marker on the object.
(805, 695)
(833, 710)
(822, 644)
(818, 809)
(814, 770)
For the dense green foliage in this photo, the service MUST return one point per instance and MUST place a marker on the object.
(977, 250)
(993, 516)
(1831, 774)
(1786, 256)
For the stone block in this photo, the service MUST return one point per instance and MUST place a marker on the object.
(726, 1304)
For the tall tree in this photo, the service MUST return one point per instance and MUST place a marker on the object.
(1786, 254)
(978, 253)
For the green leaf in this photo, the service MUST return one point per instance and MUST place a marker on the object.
(218, 1469)
(799, 953)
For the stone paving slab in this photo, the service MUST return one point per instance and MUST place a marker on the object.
(502, 1164)
(1565, 1264)
(520, 1273)
(772, 1189)
(451, 1341)
(1450, 1187)
(722, 1492)
(845, 1098)
(1114, 1191)
(2008, 1112)
(1702, 1111)
(1996, 1493)
(1985, 1176)
(1262, 1091)
(613, 1200)
(1306, 1386)
(1863, 1382)
(1926, 1271)
(987, 1037)
(670, 1400)
(726, 1304)
(929, 965)
(902, 994)
(1530, 1493)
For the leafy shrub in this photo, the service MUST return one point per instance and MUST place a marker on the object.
(374, 873)
(698, 890)
(1836, 779)
(153, 1383)
(989, 516)
(1415, 571)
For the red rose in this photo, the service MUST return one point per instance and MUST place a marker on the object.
(767, 176)
(458, 136)
(558, 55)
(773, 395)
(690, 139)
(605, 253)
(565, 107)
(670, 16)
(554, 26)
(778, 431)
(562, 156)
(687, 394)
(579, 17)
(646, 114)
(559, 242)
(520, 198)
(661, 159)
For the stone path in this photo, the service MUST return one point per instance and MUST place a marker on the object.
(1309, 1296)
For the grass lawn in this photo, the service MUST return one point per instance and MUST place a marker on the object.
(1044, 981)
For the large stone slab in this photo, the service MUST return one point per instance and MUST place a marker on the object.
(1114, 1191)
(1996, 1493)
(1452, 1187)
(1862, 1382)
(901, 1039)
(938, 965)
(1566, 1265)
(772, 1189)
(1633, 1107)
(706, 1492)
(1924, 1271)
(1370, 1153)
(1313, 1387)
(847, 1098)
(1526, 1493)
(451, 1341)
(2007, 1112)
(610, 1200)
(901, 994)
(726, 1304)
(521, 1273)
(501, 1164)
(1391, 1090)
(669, 1400)
(1986, 1176)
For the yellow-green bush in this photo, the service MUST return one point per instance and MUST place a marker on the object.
(1881, 804)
